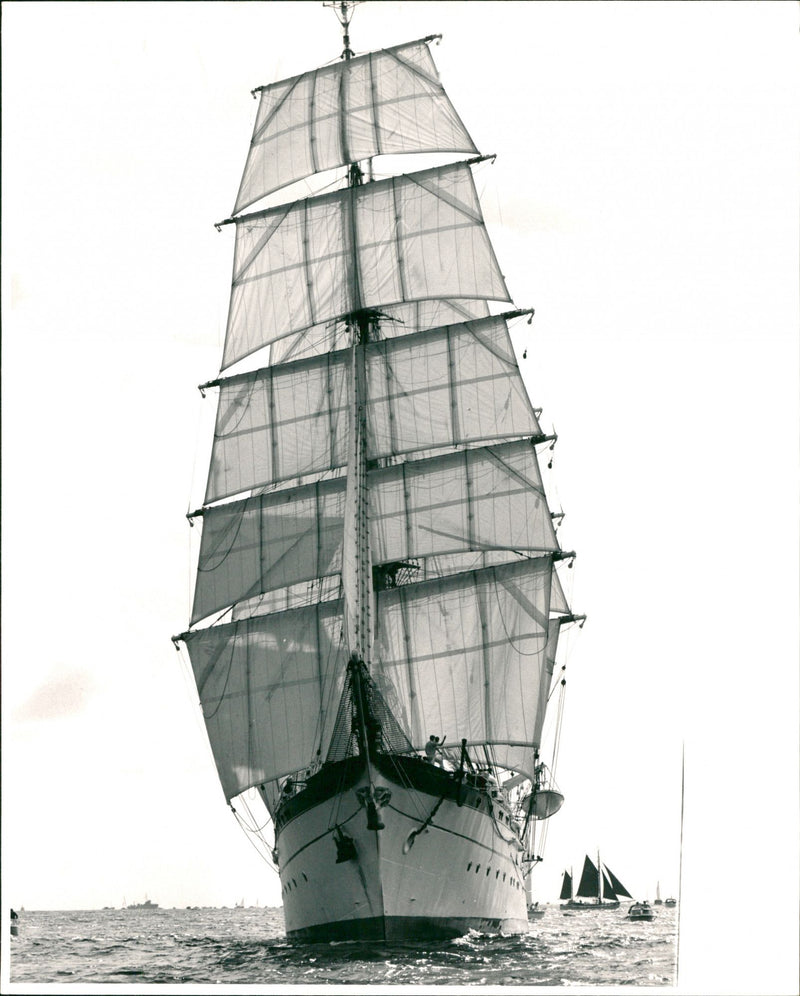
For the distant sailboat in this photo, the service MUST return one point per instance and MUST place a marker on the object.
(599, 889)
(658, 901)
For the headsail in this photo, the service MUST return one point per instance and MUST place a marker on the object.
(616, 885)
(608, 891)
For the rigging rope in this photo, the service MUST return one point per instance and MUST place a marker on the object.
(536, 636)
(225, 686)
(252, 829)
(204, 568)
(252, 843)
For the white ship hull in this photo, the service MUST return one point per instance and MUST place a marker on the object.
(462, 871)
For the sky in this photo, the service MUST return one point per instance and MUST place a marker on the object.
(645, 202)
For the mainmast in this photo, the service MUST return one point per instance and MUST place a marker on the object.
(599, 879)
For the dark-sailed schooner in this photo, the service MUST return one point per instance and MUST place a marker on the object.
(598, 889)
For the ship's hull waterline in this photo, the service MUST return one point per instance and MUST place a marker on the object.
(411, 879)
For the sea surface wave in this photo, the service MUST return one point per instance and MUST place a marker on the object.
(248, 946)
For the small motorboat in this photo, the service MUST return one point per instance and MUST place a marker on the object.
(640, 911)
(535, 911)
(670, 902)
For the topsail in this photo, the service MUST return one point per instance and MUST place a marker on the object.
(454, 386)
(392, 242)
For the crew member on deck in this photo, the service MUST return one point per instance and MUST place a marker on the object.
(431, 749)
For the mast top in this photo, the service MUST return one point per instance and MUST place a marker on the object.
(344, 10)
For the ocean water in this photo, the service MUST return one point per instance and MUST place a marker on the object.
(248, 946)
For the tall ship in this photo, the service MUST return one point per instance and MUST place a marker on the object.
(377, 606)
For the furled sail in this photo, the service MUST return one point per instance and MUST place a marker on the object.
(395, 241)
(387, 102)
(439, 388)
(480, 499)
